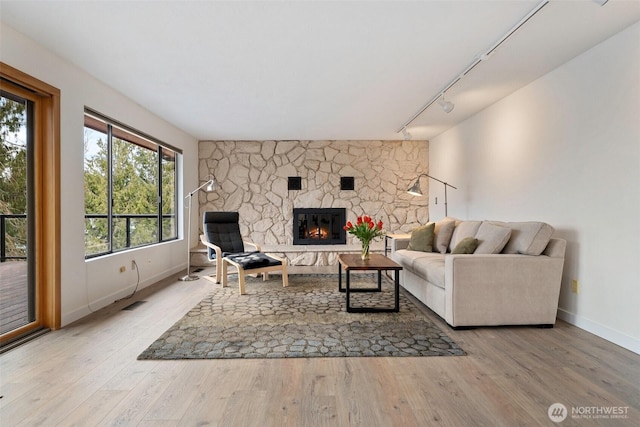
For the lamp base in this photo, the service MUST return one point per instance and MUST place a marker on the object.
(189, 278)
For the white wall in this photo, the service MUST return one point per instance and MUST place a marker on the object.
(566, 150)
(96, 283)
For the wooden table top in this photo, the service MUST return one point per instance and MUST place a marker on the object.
(376, 262)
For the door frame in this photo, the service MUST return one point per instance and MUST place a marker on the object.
(46, 175)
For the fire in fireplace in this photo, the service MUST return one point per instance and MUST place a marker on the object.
(319, 226)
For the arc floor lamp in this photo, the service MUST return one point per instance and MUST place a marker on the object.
(415, 189)
(210, 185)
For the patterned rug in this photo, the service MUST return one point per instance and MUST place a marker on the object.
(306, 319)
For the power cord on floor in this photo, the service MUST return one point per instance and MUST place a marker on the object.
(127, 297)
(137, 282)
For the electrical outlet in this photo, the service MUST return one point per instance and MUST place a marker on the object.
(574, 286)
(133, 264)
(123, 269)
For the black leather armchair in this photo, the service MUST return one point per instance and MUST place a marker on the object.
(222, 237)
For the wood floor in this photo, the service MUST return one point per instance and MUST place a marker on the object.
(87, 375)
(13, 295)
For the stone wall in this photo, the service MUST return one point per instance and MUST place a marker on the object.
(253, 178)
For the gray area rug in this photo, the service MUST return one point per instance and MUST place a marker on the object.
(306, 319)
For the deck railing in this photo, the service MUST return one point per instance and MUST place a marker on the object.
(3, 236)
(128, 229)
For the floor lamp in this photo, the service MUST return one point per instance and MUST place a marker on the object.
(211, 185)
(415, 189)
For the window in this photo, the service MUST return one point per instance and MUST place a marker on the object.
(129, 186)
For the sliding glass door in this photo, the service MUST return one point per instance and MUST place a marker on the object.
(18, 297)
(29, 206)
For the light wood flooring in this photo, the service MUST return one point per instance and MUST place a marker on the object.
(87, 375)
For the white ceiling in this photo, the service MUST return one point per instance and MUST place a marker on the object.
(314, 69)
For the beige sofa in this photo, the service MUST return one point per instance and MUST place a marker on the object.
(514, 280)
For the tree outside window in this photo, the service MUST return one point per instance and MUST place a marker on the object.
(130, 193)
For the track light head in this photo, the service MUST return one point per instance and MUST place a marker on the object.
(447, 106)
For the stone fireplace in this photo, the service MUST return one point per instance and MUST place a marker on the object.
(319, 226)
(254, 180)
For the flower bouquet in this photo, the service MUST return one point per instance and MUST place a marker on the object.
(365, 230)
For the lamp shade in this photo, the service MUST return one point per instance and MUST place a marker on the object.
(212, 185)
(414, 190)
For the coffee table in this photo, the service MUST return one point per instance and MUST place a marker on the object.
(377, 262)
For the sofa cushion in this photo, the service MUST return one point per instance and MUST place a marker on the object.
(407, 258)
(431, 269)
(443, 231)
(491, 238)
(527, 238)
(462, 230)
(422, 238)
(467, 245)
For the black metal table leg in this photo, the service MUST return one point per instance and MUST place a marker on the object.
(348, 289)
(397, 285)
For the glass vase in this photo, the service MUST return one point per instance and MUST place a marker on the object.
(365, 251)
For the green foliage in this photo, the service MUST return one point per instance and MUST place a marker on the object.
(13, 157)
(13, 174)
(135, 192)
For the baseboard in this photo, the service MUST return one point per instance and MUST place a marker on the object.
(616, 337)
(102, 302)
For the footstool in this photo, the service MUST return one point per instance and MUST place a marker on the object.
(254, 263)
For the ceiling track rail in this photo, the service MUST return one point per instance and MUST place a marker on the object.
(476, 61)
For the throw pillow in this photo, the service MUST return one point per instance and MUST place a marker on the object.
(528, 238)
(491, 238)
(463, 229)
(443, 231)
(466, 246)
(422, 238)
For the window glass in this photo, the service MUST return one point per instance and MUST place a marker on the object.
(96, 196)
(168, 170)
(130, 194)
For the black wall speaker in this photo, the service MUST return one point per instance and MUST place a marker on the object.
(347, 183)
(295, 183)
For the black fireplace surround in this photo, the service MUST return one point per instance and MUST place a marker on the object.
(319, 226)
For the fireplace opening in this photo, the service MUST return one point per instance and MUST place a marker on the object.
(319, 226)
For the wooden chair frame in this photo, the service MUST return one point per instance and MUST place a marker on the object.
(218, 251)
(264, 270)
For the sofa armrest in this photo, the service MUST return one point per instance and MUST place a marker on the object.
(502, 289)
(398, 243)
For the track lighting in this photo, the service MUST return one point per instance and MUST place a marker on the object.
(447, 106)
(406, 135)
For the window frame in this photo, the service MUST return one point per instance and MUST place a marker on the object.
(114, 129)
